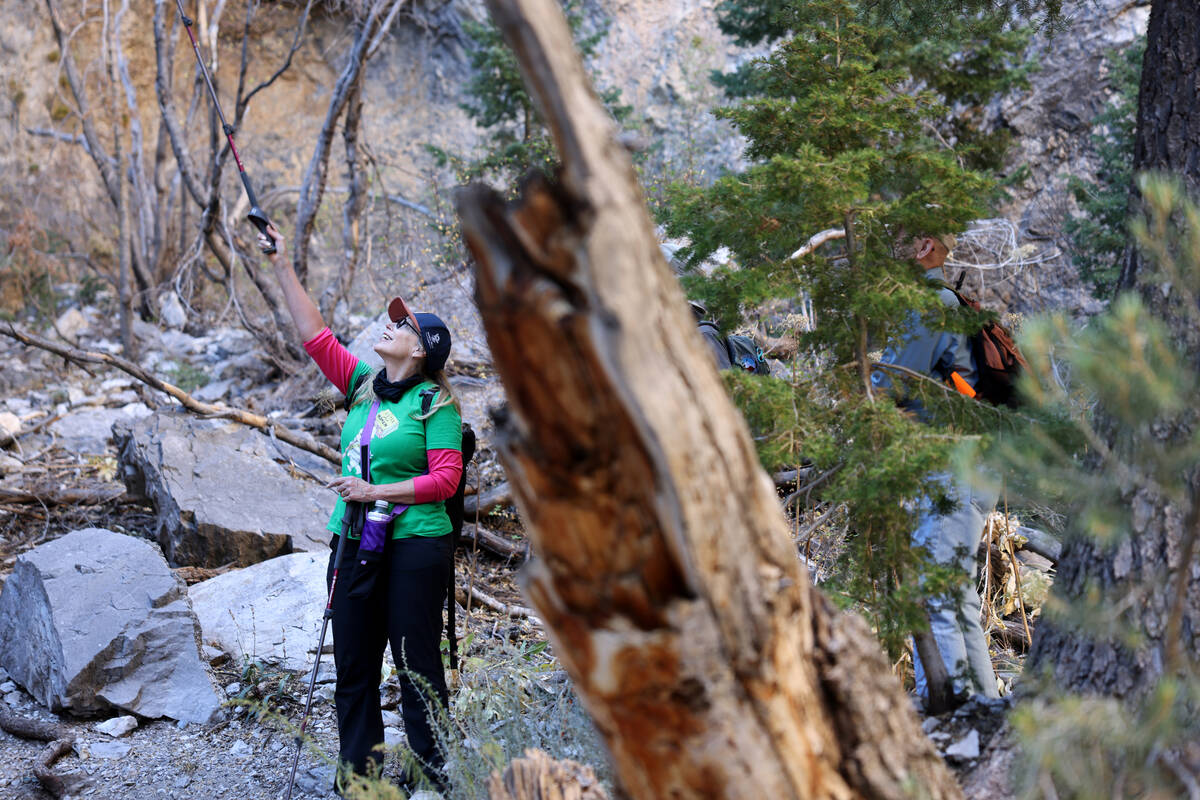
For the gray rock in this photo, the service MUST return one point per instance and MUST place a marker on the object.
(117, 726)
(7, 686)
(240, 749)
(965, 748)
(89, 430)
(271, 611)
(171, 310)
(70, 324)
(392, 720)
(315, 781)
(213, 391)
(96, 620)
(392, 737)
(109, 750)
(220, 492)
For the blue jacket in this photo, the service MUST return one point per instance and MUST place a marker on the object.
(935, 354)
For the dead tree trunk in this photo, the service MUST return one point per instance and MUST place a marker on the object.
(665, 575)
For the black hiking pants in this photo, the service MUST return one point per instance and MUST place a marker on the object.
(404, 608)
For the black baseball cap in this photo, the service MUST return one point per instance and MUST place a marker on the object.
(435, 336)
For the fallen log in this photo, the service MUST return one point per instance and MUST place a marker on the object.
(463, 590)
(489, 501)
(537, 776)
(304, 442)
(72, 496)
(1041, 543)
(491, 541)
(29, 728)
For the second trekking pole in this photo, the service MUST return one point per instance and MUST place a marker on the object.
(312, 679)
(255, 214)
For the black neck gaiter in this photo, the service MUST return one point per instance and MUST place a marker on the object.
(391, 391)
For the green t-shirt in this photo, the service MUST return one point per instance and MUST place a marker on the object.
(398, 445)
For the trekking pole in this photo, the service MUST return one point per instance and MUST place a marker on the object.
(255, 214)
(312, 679)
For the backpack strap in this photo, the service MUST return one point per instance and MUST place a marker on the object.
(428, 395)
(455, 508)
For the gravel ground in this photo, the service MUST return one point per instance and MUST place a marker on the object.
(235, 758)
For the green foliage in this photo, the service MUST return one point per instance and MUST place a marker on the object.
(964, 60)
(500, 104)
(1118, 387)
(513, 697)
(1099, 237)
(187, 377)
(838, 137)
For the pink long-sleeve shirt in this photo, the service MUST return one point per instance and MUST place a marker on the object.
(338, 365)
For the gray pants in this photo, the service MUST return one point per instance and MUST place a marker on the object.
(953, 539)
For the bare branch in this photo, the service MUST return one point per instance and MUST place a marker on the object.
(313, 184)
(302, 441)
(64, 137)
(818, 239)
(95, 149)
(243, 102)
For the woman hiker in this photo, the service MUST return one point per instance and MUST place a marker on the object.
(414, 461)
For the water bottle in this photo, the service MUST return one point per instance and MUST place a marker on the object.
(375, 530)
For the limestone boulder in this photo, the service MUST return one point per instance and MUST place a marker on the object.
(96, 621)
(223, 492)
(269, 612)
(88, 430)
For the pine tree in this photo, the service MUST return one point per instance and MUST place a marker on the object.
(837, 139)
(1099, 236)
(1124, 411)
(499, 103)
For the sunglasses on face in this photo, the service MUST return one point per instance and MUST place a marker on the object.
(407, 323)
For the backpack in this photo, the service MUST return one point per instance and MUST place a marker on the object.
(454, 510)
(997, 360)
(744, 353)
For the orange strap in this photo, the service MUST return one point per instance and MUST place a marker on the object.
(961, 385)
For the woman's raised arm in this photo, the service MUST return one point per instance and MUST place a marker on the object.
(304, 312)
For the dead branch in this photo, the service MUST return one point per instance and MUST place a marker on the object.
(61, 742)
(8, 439)
(304, 442)
(62, 137)
(818, 239)
(72, 496)
(489, 501)
(43, 767)
(491, 541)
(29, 728)
(462, 591)
(243, 102)
(668, 584)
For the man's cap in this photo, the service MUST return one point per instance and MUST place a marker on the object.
(699, 310)
(947, 239)
(435, 336)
